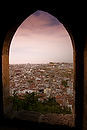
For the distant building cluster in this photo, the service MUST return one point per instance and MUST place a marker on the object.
(44, 79)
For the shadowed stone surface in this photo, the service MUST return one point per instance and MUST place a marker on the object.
(28, 116)
(73, 17)
(58, 119)
(52, 119)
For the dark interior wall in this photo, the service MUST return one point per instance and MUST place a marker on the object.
(72, 17)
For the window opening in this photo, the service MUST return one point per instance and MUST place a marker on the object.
(41, 66)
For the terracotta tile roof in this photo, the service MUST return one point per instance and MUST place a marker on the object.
(59, 101)
(58, 96)
(21, 97)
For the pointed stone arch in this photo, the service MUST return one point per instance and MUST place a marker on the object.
(5, 60)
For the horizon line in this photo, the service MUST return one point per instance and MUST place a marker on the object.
(40, 63)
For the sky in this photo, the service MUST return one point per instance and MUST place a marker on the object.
(41, 38)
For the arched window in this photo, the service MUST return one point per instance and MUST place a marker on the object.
(48, 72)
(41, 61)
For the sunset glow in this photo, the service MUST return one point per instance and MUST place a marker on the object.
(41, 38)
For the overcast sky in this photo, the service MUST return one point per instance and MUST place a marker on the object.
(41, 38)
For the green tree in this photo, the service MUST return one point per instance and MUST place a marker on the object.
(30, 103)
(52, 101)
(63, 82)
(30, 81)
(51, 62)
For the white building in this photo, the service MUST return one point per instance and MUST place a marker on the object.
(38, 78)
(70, 84)
(69, 91)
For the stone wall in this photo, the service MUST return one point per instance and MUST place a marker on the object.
(51, 119)
(5, 82)
(75, 21)
(85, 87)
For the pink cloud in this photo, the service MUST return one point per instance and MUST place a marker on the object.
(41, 36)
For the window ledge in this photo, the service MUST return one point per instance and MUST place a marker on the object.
(51, 119)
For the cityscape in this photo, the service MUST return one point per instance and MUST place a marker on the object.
(47, 80)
